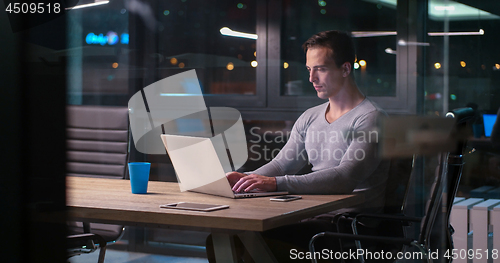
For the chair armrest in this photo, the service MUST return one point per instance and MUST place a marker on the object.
(393, 240)
(401, 218)
(399, 240)
(390, 217)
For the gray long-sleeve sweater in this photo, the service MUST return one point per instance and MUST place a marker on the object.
(343, 155)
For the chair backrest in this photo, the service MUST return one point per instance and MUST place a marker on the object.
(445, 185)
(398, 185)
(434, 202)
(97, 141)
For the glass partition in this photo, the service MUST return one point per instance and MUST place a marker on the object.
(413, 57)
(463, 70)
(120, 47)
(462, 62)
(98, 55)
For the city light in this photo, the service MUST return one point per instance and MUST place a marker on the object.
(115, 65)
(437, 65)
(230, 66)
(497, 66)
(356, 65)
(181, 65)
(254, 63)
(362, 63)
(462, 63)
(111, 38)
(173, 61)
(124, 38)
(285, 65)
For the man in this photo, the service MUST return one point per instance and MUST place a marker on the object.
(339, 139)
(339, 136)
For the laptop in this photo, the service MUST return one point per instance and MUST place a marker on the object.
(489, 120)
(201, 165)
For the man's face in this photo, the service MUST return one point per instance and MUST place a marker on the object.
(325, 76)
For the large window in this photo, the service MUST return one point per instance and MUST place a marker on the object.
(97, 57)
(246, 54)
(224, 41)
(218, 39)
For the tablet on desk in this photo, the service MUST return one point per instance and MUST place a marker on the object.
(194, 206)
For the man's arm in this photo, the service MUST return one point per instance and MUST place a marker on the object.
(358, 163)
(290, 159)
(341, 179)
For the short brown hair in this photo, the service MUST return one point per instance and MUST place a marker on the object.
(339, 42)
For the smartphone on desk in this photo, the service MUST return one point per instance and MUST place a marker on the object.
(286, 198)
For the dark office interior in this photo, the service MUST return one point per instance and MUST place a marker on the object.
(413, 58)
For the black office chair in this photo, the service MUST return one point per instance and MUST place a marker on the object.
(397, 190)
(446, 180)
(97, 146)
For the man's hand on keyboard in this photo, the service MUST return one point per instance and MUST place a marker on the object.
(253, 182)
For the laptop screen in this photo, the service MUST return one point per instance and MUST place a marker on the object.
(489, 121)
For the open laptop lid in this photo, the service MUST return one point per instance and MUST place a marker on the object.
(197, 165)
(201, 165)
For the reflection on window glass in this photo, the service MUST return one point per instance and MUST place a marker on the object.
(373, 26)
(218, 39)
(98, 40)
(465, 69)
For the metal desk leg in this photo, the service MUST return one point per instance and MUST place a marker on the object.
(256, 246)
(224, 247)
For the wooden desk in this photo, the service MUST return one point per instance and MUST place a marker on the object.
(111, 201)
